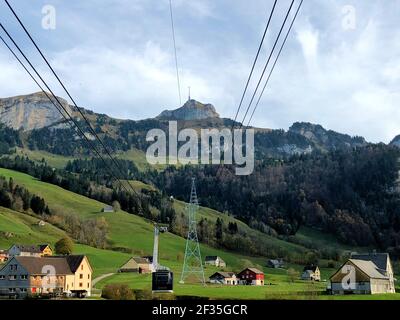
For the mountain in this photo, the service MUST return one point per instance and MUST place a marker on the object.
(191, 110)
(396, 141)
(325, 139)
(30, 112)
(45, 129)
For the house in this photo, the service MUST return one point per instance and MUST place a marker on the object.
(251, 276)
(3, 256)
(53, 275)
(364, 274)
(311, 273)
(40, 250)
(107, 209)
(228, 278)
(136, 264)
(275, 263)
(215, 261)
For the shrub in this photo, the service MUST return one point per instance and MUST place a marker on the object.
(117, 292)
(64, 246)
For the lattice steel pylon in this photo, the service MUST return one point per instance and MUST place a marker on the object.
(192, 265)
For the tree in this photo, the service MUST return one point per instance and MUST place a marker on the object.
(218, 229)
(116, 206)
(64, 246)
(292, 275)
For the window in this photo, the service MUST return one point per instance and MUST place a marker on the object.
(12, 277)
(22, 290)
(2, 277)
(11, 290)
(82, 267)
(80, 285)
(88, 285)
(81, 276)
(13, 267)
(24, 277)
(88, 276)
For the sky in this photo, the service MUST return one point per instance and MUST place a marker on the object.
(340, 67)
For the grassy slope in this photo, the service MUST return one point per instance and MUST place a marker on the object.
(126, 230)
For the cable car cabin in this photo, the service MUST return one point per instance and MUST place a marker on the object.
(163, 281)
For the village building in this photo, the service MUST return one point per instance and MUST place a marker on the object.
(55, 275)
(3, 256)
(251, 276)
(136, 264)
(311, 273)
(42, 250)
(228, 278)
(215, 261)
(275, 263)
(364, 274)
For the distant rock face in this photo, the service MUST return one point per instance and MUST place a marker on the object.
(396, 141)
(30, 112)
(326, 139)
(191, 110)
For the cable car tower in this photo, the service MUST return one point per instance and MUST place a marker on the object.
(162, 277)
(192, 265)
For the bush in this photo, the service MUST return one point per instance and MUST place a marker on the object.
(64, 246)
(117, 292)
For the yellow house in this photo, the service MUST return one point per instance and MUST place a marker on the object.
(79, 283)
(58, 275)
(45, 250)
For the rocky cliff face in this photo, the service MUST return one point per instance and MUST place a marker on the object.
(30, 112)
(396, 141)
(191, 110)
(325, 139)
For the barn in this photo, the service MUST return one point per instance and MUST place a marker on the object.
(251, 276)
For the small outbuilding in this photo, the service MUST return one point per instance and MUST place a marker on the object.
(136, 264)
(107, 209)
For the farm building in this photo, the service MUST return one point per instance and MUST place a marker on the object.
(364, 274)
(67, 275)
(251, 276)
(136, 264)
(215, 261)
(228, 278)
(311, 273)
(3, 256)
(107, 209)
(41, 250)
(275, 263)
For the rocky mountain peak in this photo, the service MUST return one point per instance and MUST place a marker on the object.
(28, 112)
(191, 110)
(396, 141)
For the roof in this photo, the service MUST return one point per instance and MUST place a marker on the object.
(134, 261)
(31, 248)
(255, 270)
(212, 258)
(37, 266)
(223, 274)
(379, 259)
(310, 268)
(275, 261)
(74, 262)
(369, 268)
